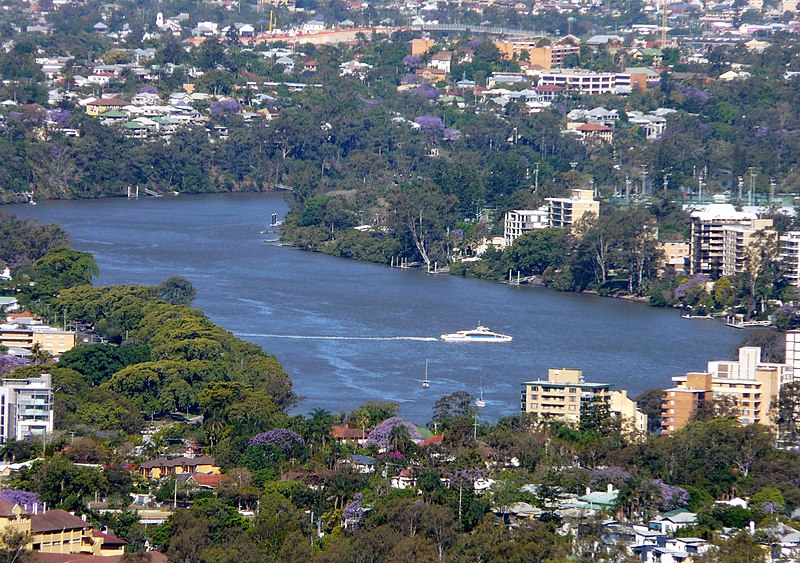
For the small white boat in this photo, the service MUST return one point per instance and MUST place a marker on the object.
(425, 382)
(480, 403)
(479, 334)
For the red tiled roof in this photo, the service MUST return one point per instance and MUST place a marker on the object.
(55, 521)
(592, 127)
(211, 481)
(108, 539)
(432, 440)
(347, 433)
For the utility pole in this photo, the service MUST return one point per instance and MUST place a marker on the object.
(536, 178)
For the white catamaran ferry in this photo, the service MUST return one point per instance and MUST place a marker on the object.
(479, 334)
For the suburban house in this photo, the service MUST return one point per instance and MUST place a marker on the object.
(58, 531)
(346, 434)
(102, 105)
(163, 467)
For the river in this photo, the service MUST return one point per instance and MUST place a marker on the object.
(348, 332)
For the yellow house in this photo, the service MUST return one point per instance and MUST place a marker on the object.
(15, 517)
(163, 467)
(58, 531)
(101, 105)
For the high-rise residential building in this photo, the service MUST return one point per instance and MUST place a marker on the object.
(521, 221)
(746, 387)
(790, 256)
(26, 408)
(740, 245)
(633, 421)
(563, 396)
(566, 211)
(708, 234)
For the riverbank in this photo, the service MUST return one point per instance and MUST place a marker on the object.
(348, 331)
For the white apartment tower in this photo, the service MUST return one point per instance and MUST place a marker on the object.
(26, 407)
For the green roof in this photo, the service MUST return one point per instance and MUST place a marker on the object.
(134, 125)
(114, 113)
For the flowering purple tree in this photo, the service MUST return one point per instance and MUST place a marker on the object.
(451, 134)
(225, 107)
(412, 61)
(430, 122)
(9, 364)
(282, 438)
(381, 436)
(427, 92)
(410, 78)
(23, 498)
(354, 513)
(59, 116)
(148, 90)
(613, 475)
(682, 289)
(671, 497)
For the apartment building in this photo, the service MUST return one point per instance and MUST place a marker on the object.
(26, 408)
(790, 255)
(563, 395)
(521, 221)
(634, 421)
(707, 236)
(740, 242)
(745, 387)
(545, 56)
(586, 82)
(53, 340)
(566, 211)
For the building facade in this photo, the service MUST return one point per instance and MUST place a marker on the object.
(51, 339)
(522, 221)
(563, 396)
(746, 387)
(740, 245)
(566, 211)
(790, 256)
(707, 237)
(26, 408)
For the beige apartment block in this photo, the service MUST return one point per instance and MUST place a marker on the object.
(634, 421)
(740, 245)
(566, 211)
(746, 387)
(561, 395)
(707, 238)
(53, 340)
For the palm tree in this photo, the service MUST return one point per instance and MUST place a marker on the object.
(39, 355)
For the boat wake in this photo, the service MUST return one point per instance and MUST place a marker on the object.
(311, 337)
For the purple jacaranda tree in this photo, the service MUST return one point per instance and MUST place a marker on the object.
(451, 134)
(59, 116)
(148, 90)
(600, 478)
(225, 107)
(282, 438)
(353, 514)
(410, 78)
(25, 499)
(430, 122)
(680, 291)
(10, 363)
(412, 61)
(427, 92)
(381, 435)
